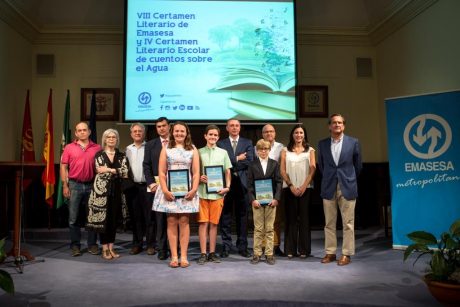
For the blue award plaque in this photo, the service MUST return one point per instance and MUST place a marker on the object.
(178, 182)
(216, 179)
(264, 191)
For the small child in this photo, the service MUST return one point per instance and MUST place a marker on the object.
(264, 213)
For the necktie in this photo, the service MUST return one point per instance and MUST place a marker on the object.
(234, 146)
(165, 143)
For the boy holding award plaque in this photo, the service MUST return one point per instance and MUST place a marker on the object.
(264, 189)
(214, 184)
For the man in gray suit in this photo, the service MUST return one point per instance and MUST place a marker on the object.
(339, 161)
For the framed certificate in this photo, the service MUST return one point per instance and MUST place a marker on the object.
(178, 182)
(216, 178)
(264, 190)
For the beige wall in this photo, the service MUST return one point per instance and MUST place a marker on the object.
(15, 79)
(355, 98)
(422, 57)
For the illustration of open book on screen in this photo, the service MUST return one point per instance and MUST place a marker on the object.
(259, 95)
(251, 78)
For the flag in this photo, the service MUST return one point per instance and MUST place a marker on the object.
(92, 118)
(27, 147)
(48, 178)
(65, 139)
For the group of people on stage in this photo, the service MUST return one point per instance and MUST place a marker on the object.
(109, 185)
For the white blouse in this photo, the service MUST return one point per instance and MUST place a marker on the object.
(298, 167)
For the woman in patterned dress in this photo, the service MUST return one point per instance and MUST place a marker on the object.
(106, 201)
(180, 154)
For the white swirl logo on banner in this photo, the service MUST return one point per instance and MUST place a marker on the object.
(431, 136)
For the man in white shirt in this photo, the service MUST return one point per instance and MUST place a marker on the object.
(137, 196)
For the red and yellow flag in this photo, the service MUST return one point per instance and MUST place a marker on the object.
(48, 177)
(27, 135)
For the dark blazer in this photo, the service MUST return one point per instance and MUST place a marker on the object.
(240, 167)
(255, 171)
(346, 173)
(151, 157)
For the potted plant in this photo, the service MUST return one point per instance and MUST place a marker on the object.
(6, 282)
(443, 274)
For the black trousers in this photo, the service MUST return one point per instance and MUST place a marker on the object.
(160, 224)
(142, 216)
(298, 233)
(235, 201)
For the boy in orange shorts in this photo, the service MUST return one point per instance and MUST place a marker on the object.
(214, 184)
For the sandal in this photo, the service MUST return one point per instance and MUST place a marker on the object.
(114, 254)
(184, 263)
(107, 255)
(174, 263)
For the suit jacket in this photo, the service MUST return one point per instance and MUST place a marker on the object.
(256, 171)
(151, 157)
(239, 168)
(345, 173)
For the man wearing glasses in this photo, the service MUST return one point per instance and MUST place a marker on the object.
(269, 135)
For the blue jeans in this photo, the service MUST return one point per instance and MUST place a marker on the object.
(79, 195)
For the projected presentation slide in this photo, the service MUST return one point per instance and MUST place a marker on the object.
(210, 60)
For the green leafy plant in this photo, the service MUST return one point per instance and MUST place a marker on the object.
(6, 282)
(444, 264)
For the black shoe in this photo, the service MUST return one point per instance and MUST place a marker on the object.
(279, 252)
(213, 258)
(151, 251)
(162, 255)
(224, 253)
(245, 253)
(255, 259)
(202, 260)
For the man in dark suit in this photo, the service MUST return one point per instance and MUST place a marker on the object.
(150, 164)
(264, 212)
(339, 161)
(241, 153)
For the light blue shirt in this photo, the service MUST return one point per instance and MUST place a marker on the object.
(336, 149)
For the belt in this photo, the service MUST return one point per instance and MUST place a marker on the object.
(79, 181)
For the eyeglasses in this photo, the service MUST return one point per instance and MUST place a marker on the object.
(264, 148)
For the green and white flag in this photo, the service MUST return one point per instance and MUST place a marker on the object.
(65, 139)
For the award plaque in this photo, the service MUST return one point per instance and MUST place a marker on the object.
(264, 191)
(216, 179)
(178, 182)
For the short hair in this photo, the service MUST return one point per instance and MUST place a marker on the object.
(82, 122)
(162, 118)
(233, 119)
(266, 126)
(262, 144)
(211, 127)
(334, 115)
(106, 133)
(137, 124)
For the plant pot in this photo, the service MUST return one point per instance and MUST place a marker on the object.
(446, 293)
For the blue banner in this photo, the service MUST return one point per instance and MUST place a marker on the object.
(424, 156)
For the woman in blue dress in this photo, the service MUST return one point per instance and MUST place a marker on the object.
(180, 154)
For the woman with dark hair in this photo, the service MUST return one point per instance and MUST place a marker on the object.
(298, 167)
(106, 202)
(180, 154)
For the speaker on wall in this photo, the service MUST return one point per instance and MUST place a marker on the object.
(364, 67)
(45, 64)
